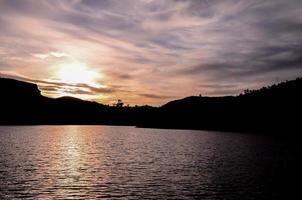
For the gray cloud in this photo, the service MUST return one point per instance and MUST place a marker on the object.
(154, 96)
(155, 46)
(72, 88)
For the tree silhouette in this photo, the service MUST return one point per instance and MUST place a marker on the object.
(119, 103)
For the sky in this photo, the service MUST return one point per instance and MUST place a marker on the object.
(150, 51)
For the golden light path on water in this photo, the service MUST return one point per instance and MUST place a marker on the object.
(107, 162)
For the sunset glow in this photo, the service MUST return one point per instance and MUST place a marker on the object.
(76, 73)
(149, 51)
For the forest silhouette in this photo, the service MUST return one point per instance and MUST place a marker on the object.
(275, 108)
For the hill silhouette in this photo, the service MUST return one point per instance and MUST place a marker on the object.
(273, 108)
(22, 103)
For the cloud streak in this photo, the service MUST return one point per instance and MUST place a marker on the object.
(151, 51)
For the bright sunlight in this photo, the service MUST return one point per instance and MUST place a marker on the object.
(76, 73)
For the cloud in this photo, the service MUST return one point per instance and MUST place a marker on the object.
(52, 87)
(154, 96)
(54, 54)
(155, 50)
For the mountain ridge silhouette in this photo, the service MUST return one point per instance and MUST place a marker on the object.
(272, 108)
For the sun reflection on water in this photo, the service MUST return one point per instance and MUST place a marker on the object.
(74, 162)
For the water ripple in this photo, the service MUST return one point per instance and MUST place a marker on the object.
(93, 162)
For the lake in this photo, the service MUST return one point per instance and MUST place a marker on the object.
(92, 162)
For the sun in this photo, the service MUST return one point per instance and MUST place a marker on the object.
(76, 72)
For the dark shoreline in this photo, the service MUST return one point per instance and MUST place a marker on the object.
(269, 110)
(262, 132)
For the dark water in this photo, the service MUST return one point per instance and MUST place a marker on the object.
(91, 162)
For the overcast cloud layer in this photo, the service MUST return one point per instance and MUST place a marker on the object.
(152, 51)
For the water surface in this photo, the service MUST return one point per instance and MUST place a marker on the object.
(91, 162)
